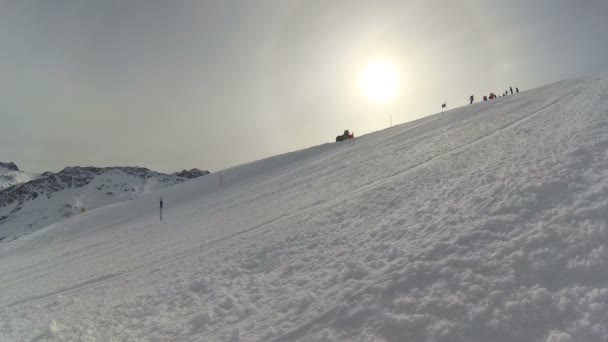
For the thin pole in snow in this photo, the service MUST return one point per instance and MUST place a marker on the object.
(161, 208)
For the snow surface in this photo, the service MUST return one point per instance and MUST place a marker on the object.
(488, 223)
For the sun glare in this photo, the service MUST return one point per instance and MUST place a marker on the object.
(380, 81)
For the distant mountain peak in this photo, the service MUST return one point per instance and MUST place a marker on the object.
(10, 175)
(9, 166)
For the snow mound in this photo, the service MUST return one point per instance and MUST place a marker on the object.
(488, 223)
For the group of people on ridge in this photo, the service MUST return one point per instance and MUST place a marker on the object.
(493, 96)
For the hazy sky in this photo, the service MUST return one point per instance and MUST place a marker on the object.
(210, 84)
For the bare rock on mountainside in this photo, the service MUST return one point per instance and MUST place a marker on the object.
(9, 166)
(193, 173)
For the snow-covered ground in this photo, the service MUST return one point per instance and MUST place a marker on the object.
(488, 223)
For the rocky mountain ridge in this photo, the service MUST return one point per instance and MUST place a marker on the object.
(51, 197)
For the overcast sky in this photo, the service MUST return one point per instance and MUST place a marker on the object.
(210, 84)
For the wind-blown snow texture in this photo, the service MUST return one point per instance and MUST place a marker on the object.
(489, 223)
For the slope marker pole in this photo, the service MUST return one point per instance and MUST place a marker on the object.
(161, 208)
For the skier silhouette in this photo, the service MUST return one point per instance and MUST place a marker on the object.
(511, 90)
(472, 98)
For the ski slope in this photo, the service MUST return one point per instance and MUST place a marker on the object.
(488, 223)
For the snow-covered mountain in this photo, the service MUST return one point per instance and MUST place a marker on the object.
(11, 175)
(52, 197)
(486, 223)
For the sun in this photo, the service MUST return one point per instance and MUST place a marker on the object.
(379, 81)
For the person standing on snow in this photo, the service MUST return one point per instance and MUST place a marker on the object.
(471, 99)
(517, 89)
(511, 90)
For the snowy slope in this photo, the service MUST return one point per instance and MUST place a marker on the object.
(11, 175)
(52, 197)
(488, 223)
